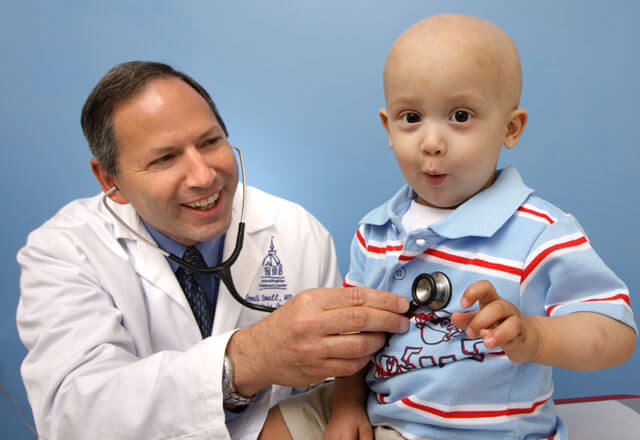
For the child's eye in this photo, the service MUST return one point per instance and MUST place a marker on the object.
(411, 118)
(460, 116)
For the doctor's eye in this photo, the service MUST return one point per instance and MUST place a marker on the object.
(161, 160)
(209, 142)
(212, 141)
(410, 117)
(460, 116)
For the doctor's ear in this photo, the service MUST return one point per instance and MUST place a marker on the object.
(107, 182)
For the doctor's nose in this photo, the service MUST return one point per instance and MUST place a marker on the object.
(433, 142)
(198, 171)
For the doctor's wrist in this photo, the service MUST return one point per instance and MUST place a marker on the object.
(231, 399)
(248, 376)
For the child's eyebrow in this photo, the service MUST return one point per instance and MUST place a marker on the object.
(401, 101)
(468, 95)
(470, 98)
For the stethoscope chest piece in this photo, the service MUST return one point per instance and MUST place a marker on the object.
(430, 290)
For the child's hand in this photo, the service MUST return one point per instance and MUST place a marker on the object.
(350, 423)
(498, 322)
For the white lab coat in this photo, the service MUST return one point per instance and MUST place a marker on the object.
(114, 350)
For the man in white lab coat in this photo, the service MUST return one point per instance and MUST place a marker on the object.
(116, 350)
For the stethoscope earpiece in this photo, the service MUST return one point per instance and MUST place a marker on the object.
(430, 290)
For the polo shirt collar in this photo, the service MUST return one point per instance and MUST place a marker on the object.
(481, 216)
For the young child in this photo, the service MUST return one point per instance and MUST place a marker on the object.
(529, 292)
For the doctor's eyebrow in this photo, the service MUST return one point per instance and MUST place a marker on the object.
(160, 151)
(214, 131)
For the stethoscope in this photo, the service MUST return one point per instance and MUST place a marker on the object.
(222, 270)
(430, 290)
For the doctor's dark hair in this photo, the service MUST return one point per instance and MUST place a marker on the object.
(119, 84)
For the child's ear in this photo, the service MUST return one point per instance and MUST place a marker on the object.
(107, 181)
(384, 118)
(515, 126)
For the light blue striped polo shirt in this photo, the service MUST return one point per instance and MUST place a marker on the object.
(434, 381)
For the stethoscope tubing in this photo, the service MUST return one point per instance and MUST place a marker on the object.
(222, 270)
(441, 291)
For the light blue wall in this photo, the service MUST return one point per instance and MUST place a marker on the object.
(299, 85)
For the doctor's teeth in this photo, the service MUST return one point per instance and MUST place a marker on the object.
(204, 203)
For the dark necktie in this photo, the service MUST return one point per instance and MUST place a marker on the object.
(197, 297)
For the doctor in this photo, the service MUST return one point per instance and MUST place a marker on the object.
(116, 350)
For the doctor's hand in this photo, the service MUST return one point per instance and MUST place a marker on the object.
(499, 323)
(319, 333)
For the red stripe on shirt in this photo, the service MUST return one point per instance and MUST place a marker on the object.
(361, 239)
(473, 414)
(622, 296)
(474, 261)
(545, 253)
(536, 213)
(376, 249)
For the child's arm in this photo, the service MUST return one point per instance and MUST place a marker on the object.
(348, 415)
(577, 341)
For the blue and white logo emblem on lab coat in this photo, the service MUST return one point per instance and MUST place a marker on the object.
(273, 271)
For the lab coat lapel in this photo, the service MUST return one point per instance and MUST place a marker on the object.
(148, 262)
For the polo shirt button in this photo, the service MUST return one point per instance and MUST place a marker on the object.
(420, 242)
(399, 274)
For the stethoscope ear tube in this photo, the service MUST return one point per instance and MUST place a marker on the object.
(222, 270)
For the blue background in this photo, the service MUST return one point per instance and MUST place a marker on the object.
(299, 86)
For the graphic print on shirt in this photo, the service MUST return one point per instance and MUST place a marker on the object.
(272, 287)
(436, 327)
(443, 343)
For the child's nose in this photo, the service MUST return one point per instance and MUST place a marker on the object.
(433, 143)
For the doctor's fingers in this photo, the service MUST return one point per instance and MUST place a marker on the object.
(319, 370)
(354, 346)
(337, 367)
(337, 298)
(360, 319)
(331, 356)
(344, 355)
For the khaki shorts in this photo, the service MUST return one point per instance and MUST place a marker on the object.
(307, 415)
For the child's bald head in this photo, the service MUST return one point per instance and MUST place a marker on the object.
(457, 38)
(452, 88)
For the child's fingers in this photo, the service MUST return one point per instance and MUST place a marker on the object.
(503, 334)
(480, 291)
(490, 316)
(462, 319)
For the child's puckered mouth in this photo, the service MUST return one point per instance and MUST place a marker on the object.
(435, 179)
